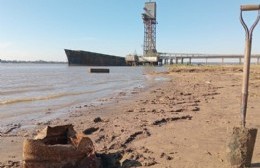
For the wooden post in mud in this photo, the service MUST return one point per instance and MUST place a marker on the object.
(246, 69)
(243, 139)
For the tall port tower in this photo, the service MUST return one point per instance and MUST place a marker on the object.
(149, 19)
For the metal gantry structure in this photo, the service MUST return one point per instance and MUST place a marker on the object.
(149, 19)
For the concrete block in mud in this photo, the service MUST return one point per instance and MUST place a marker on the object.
(59, 147)
(241, 147)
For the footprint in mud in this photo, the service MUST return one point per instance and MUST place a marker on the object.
(131, 155)
(165, 156)
(146, 150)
(110, 160)
(130, 111)
(11, 164)
(181, 102)
(138, 134)
(195, 109)
(90, 130)
(210, 94)
(165, 120)
(177, 110)
(132, 137)
(97, 120)
(11, 128)
(100, 138)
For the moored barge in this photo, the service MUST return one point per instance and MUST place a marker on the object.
(86, 58)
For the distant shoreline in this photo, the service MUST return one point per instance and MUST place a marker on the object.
(33, 62)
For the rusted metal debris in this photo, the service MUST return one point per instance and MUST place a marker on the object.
(59, 147)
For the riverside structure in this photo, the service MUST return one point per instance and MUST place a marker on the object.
(187, 58)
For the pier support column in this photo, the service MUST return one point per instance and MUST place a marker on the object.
(240, 60)
(176, 60)
(189, 60)
(258, 60)
(182, 59)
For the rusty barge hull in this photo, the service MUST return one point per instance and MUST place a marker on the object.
(86, 58)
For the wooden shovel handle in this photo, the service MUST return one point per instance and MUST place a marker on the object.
(249, 7)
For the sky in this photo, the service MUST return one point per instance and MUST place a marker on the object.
(41, 29)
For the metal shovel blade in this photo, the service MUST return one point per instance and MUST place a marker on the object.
(241, 146)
